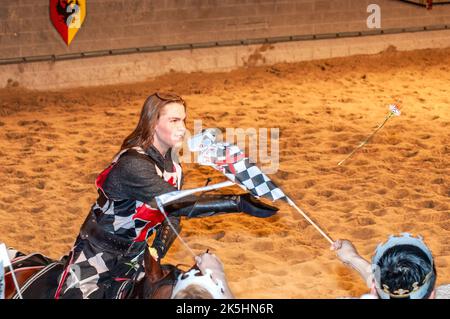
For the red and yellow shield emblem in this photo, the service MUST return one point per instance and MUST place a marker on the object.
(67, 16)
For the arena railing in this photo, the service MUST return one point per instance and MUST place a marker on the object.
(212, 44)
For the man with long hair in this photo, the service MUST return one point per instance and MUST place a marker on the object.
(109, 248)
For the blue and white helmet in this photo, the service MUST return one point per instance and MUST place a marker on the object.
(420, 289)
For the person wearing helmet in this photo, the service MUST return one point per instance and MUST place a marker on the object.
(401, 268)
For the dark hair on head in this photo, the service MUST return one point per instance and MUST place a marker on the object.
(403, 265)
(142, 135)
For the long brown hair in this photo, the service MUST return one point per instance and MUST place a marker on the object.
(142, 135)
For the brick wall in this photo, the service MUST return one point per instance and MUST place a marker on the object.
(26, 29)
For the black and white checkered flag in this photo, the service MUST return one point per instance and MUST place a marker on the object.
(231, 161)
(251, 178)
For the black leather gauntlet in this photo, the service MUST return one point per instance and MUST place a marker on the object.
(206, 206)
(220, 204)
(165, 236)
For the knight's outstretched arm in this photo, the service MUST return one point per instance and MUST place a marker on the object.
(206, 206)
(220, 204)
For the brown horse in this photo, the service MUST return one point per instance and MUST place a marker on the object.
(22, 276)
(38, 278)
(158, 281)
(28, 269)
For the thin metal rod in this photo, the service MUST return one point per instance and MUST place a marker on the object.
(161, 208)
(367, 139)
(172, 196)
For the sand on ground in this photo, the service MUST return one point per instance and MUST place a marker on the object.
(53, 144)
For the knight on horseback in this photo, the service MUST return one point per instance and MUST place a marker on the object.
(109, 249)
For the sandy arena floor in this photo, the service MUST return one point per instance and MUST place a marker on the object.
(53, 144)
